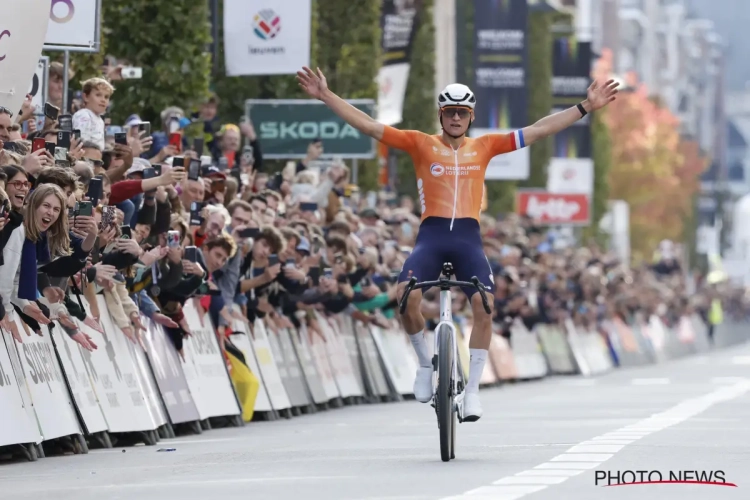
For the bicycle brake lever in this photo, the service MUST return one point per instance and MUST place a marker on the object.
(480, 288)
(407, 291)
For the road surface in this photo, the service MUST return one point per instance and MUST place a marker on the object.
(543, 440)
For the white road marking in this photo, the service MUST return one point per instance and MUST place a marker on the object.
(727, 380)
(741, 360)
(578, 382)
(551, 472)
(585, 456)
(531, 480)
(650, 381)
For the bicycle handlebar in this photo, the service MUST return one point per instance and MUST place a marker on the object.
(444, 284)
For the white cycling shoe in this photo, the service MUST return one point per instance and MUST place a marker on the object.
(472, 407)
(423, 384)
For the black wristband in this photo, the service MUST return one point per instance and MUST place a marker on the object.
(581, 109)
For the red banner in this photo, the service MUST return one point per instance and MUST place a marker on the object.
(548, 208)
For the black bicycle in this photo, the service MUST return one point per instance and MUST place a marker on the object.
(448, 379)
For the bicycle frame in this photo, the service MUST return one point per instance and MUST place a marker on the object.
(446, 319)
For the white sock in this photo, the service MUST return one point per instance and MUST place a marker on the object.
(420, 347)
(476, 367)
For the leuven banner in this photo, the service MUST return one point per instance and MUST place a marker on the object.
(266, 37)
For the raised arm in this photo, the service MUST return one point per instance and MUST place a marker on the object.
(598, 97)
(316, 86)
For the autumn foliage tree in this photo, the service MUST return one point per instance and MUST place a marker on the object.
(653, 169)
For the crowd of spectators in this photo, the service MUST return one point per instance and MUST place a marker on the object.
(148, 219)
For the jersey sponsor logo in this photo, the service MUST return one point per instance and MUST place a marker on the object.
(445, 152)
(437, 169)
(470, 154)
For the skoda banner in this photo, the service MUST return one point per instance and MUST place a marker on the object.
(285, 127)
(398, 22)
(500, 52)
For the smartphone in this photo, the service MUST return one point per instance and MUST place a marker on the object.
(178, 162)
(315, 275)
(127, 232)
(95, 190)
(191, 254)
(173, 239)
(38, 144)
(63, 139)
(194, 172)
(198, 146)
(328, 273)
(131, 73)
(157, 169)
(51, 111)
(290, 264)
(308, 206)
(61, 154)
(50, 147)
(248, 157)
(121, 138)
(273, 259)
(175, 139)
(249, 232)
(72, 212)
(144, 129)
(108, 216)
(195, 214)
(65, 122)
(223, 164)
(85, 208)
(77, 135)
(149, 173)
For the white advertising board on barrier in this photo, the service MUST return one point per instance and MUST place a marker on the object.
(308, 364)
(269, 368)
(341, 363)
(79, 382)
(241, 340)
(315, 345)
(395, 358)
(170, 377)
(147, 384)
(17, 425)
(43, 374)
(342, 330)
(209, 381)
(123, 403)
(74, 25)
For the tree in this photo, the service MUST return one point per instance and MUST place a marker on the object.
(168, 40)
(420, 108)
(649, 169)
(539, 84)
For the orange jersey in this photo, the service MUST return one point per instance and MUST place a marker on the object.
(451, 183)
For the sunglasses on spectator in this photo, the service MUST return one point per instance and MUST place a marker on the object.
(96, 163)
(4, 110)
(462, 112)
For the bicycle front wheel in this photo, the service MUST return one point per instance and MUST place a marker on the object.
(444, 399)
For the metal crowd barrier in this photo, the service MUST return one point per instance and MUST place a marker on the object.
(55, 394)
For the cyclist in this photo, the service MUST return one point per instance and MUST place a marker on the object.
(450, 170)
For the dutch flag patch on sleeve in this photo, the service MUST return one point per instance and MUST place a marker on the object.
(517, 137)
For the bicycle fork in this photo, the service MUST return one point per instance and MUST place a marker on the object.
(446, 319)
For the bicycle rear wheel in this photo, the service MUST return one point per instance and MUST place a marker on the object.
(444, 399)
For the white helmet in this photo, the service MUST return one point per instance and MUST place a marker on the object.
(457, 94)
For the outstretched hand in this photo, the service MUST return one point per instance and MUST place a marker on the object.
(314, 84)
(599, 96)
